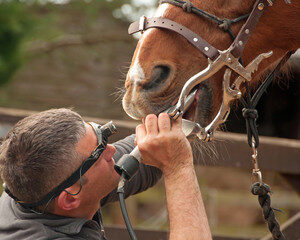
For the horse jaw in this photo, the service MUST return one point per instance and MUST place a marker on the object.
(136, 105)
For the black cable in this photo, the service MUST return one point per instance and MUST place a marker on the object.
(120, 192)
(80, 181)
(44, 210)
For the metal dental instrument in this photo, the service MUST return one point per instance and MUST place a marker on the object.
(187, 103)
(251, 67)
(229, 92)
(225, 59)
(188, 127)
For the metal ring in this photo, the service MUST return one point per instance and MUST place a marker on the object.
(257, 176)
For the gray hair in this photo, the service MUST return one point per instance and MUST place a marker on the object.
(39, 152)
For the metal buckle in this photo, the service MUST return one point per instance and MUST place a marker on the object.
(270, 3)
(256, 173)
(142, 23)
(257, 176)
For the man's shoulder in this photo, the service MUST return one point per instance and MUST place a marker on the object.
(16, 223)
(6, 208)
(14, 226)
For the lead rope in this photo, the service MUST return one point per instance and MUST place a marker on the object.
(250, 114)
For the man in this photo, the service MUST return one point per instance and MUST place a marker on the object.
(44, 150)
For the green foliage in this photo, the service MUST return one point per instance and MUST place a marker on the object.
(25, 23)
(15, 25)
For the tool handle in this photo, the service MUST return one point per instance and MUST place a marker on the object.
(129, 164)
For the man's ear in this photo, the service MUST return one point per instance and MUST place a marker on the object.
(67, 202)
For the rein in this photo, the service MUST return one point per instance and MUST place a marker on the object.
(250, 114)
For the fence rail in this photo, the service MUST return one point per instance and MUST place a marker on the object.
(275, 154)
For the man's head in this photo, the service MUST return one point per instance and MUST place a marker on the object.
(43, 150)
(39, 152)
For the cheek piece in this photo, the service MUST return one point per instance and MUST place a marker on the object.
(102, 133)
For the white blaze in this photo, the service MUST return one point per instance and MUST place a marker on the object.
(136, 72)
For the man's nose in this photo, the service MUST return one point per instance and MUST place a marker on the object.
(109, 151)
(111, 148)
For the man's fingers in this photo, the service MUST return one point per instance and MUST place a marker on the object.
(177, 124)
(151, 124)
(140, 133)
(164, 123)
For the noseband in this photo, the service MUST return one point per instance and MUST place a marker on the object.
(231, 57)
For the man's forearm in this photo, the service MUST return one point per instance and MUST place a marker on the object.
(165, 146)
(185, 206)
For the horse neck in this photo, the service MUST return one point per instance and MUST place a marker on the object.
(278, 30)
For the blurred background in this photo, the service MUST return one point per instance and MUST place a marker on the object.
(62, 53)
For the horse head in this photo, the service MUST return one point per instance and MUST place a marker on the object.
(164, 60)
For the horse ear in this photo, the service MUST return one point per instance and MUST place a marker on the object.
(67, 202)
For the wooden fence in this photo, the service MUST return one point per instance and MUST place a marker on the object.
(275, 154)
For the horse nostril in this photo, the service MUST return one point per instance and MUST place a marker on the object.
(159, 75)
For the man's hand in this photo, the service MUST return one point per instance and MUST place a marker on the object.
(163, 144)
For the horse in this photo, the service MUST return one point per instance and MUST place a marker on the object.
(164, 60)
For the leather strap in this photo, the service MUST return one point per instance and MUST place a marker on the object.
(248, 28)
(207, 49)
(203, 46)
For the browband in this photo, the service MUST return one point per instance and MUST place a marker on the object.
(146, 23)
(203, 46)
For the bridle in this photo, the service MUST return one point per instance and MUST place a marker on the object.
(231, 58)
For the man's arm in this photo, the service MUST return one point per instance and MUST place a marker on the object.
(187, 215)
(166, 147)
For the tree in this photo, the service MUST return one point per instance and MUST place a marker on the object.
(15, 26)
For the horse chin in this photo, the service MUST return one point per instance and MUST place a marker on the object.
(201, 109)
(139, 109)
(134, 116)
(130, 110)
